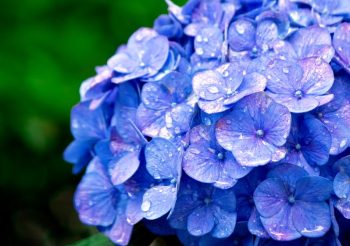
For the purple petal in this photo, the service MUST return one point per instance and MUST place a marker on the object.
(255, 226)
(200, 221)
(283, 76)
(162, 159)
(318, 76)
(270, 197)
(94, 197)
(313, 189)
(156, 96)
(266, 34)
(133, 211)
(341, 185)
(343, 205)
(123, 62)
(313, 41)
(280, 226)
(212, 107)
(157, 201)
(201, 163)
(226, 223)
(290, 174)
(341, 42)
(120, 231)
(185, 204)
(311, 219)
(225, 199)
(208, 41)
(209, 85)
(241, 35)
(122, 167)
(294, 104)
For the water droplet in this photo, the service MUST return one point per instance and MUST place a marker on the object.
(145, 206)
(298, 94)
(173, 104)
(199, 39)
(200, 51)
(213, 89)
(240, 28)
(225, 74)
(244, 72)
(207, 121)
(228, 122)
(177, 130)
(205, 39)
(142, 64)
(285, 70)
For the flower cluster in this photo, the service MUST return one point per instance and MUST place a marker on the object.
(227, 123)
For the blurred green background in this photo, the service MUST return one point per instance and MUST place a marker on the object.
(47, 48)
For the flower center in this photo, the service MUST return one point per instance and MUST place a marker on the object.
(207, 200)
(220, 155)
(291, 199)
(320, 115)
(298, 94)
(297, 146)
(260, 133)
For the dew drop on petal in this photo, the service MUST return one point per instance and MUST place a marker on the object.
(213, 89)
(145, 206)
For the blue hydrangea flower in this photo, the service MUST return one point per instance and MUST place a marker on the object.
(163, 163)
(203, 209)
(255, 130)
(292, 204)
(89, 125)
(336, 115)
(165, 110)
(219, 89)
(207, 162)
(302, 86)
(341, 45)
(102, 204)
(308, 144)
(341, 186)
(222, 100)
(144, 55)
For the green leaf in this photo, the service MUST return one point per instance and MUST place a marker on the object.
(94, 240)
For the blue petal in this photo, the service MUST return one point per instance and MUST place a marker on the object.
(241, 35)
(316, 142)
(226, 223)
(79, 153)
(225, 199)
(343, 205)
(120, 231)
(311, 219)
(95, 196)
(290, 174)
(185, 204)
(123, 166)
(318, 76)
(201, 163)
(266, 34)
(163, 159)
(341, 185)
(200, 221)
(341, 41)
(280, 226)
(158, 201)
(89, 124)
(295, 105)
(133, 211)
(313, 41)
(313, 189)
(255, 226)
(208, 42)
(270, 197)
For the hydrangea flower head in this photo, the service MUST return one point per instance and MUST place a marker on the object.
(227, 123)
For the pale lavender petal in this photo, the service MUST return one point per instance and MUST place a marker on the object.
(318, 76)
(158, 201)
(208, 41)
(209, 85)
(120, 231)
(341, 185)
(341, 42)
(343, 205)
(255, 226)
(294, 104)
(241, 35)
(123, 166)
